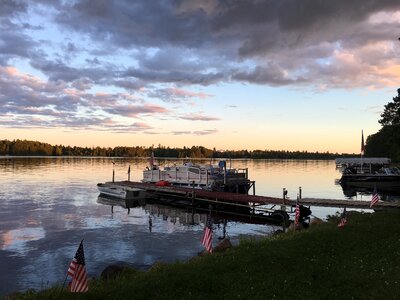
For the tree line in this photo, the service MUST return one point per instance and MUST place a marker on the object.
(35, 148)
(386, 142)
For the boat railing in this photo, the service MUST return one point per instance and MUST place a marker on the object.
(199, 176)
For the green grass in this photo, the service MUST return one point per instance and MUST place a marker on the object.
(360, 261)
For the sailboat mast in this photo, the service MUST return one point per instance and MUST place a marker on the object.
(362, 150)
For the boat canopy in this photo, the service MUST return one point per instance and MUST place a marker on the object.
(364, 160)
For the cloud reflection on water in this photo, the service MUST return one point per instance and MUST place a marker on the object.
(17, 240)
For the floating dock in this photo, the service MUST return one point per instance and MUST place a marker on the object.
(246, 200)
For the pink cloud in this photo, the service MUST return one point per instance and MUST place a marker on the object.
(199, 117)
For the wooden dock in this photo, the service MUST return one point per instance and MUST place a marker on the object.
(254, 200)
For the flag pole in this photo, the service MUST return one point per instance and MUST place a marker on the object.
(66, 275)
(65, 280)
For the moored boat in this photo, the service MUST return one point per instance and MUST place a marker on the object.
(200, 176)
(124, 203)
(370, 173)
(121, 192)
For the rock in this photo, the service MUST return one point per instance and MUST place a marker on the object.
(111, 272)
(203, 253)
(224, 245)
(316, 221)
(158, 265)
(277, 232)
(297, 227)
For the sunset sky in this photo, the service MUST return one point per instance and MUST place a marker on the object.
(276, 75)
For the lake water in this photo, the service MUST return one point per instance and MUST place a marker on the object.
(47, 205)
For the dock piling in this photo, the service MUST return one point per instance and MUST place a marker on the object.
(284, 195)
(193, 194)
(113, 177)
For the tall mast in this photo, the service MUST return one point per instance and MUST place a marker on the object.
(362, 150)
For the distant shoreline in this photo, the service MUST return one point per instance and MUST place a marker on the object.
(25, 148)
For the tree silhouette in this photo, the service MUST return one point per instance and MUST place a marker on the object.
(391, 114)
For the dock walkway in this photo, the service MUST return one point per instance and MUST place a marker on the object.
(225, 197)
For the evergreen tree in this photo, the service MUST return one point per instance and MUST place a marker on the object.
(386, 142)
(391, 114)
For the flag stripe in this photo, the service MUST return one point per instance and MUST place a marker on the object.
(72, 267)
(207, 239)
(374, 199)
(342, 222)
(207, 235)
(297, 213)
(79, 282)
(343, 219)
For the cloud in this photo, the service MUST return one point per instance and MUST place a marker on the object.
(130, 128)
(205, 132)
(173, 76)
(175, 95)
(11, 7)
(106, 59)
(29, 101)
(145, 23)
(135, 110)
(58, 70)
(206, 42)
(199, 117)
(89, 122)
(197, 132)
(14, 44)
(272, 74)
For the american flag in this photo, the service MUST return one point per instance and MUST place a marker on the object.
(297, 212)
(375, 198)
(362, 143)
(207, 235)
(343, 218)
(77, 270)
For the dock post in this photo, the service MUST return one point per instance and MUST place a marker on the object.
(284, 195)
(113, 177)
(299, 192)
(224, 168)
(193, 196)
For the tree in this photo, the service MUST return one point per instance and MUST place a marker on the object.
(391, 114)
(384, 143)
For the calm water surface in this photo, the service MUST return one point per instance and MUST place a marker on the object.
(47, 205)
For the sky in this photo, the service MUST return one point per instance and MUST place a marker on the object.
(231, 74)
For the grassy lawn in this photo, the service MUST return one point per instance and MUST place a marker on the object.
(360, 261)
